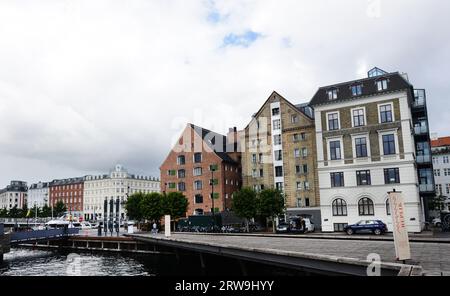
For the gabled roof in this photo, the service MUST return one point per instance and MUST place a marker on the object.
(211, 138)
(396, 82)
(441, 142)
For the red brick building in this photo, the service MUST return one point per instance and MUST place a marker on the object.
(187, 169)
(70, 192)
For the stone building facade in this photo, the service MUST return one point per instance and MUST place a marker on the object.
(366, 147)
(187, 169)
(38, 195)
(279, 152)
(14, 195)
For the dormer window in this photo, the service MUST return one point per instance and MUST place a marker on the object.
(382, 84)
(332, 94)
(356, 90)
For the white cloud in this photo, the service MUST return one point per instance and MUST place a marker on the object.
(85, 84)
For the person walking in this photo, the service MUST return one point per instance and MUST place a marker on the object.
(155, 228)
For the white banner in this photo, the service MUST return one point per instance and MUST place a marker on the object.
(167, 226)
(401, 238)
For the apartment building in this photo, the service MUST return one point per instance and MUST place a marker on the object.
(118, 184)
(441, 163)
(372, 137)
(280, 152)
(14, 195)
(205, 167)
(70, 192)
(38, 195)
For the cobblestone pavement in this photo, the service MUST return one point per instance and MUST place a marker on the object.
(433, 257)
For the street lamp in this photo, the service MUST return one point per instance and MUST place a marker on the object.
(213, 168)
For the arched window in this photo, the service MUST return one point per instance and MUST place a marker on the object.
(339, 207)
(388, 207)
(366, 207)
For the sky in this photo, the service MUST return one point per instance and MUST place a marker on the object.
(88, 84)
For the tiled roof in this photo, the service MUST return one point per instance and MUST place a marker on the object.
(396, 82)
(441, 142)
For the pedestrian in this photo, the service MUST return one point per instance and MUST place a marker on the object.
(155, 228)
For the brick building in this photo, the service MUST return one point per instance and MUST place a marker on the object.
(280, 153)
(187, 169)
(70, 192)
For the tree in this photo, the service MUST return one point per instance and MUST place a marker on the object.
(245, 205)
(60, 208)
(14, 212)
(24, 211)
(4, 213)
(33, 212)
(133, 206)
(151, 206)
(45, 212)
(437, 203)
(175, 204)
(271, 204)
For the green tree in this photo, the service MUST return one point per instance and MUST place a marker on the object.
(45, 212)
(23, 211)
(245, 205)
(437, 203)
(4, 213)
(14, 212)
(60, 208)
(271, 205)
(175, 204)
(151, 207)
(133, 206)
(33, 212)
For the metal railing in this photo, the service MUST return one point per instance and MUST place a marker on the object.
(423, 159)
(421, 130)
(427, 187)
(42, 234)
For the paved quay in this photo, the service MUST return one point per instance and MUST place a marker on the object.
(434, 257)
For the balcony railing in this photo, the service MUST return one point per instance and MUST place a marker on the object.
(427, 188)
(423, 159)
(419, 103)
(421, 130)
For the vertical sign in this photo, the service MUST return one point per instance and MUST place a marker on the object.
(167, 225)
(105, 216)
(401, 239)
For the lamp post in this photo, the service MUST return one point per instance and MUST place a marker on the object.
(213, 210)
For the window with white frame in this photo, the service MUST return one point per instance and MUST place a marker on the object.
(359, 118)
(356, 90)
(386, 113)
(277, 124)
(335, 150)
(294, 119)
(361, 147)
(382, 84)
(297, 153)
(332, 94)
(278, 155)
(277, 140)
(333, 121)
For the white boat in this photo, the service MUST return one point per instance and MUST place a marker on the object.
(62, 224)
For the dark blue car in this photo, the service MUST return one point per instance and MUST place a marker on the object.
(368, 226)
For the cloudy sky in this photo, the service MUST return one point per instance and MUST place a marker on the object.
(87, 84)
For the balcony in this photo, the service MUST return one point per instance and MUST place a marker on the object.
(419, 98)
(426, 188)
(420, 130)
(421, 159)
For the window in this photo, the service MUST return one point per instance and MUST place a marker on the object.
(294, 119)
(277, 140)
(357, 90)
(366, 207)
(389, 144)
(306, 183)
(299, 203)
(386, 113)
(382, 84)
(198, 199)
(279, 171)
(337, 179)
(333, 121)
(358, 118)
(181, 174)
(261, 173)
(305, 152)
(297, 153)
(392, 176)
(261, 158)
(275, 111)
(197, 172)
(335, 150)
(363, 178)
(277, 124)
(172, 173)
(307, 203)
(296, 138)
(181, 160)
(388, 207)
(181, 186)
(446, 160)
(254, 159)
(339, 207)
(303, 136)
(198, 185)
(197, 157)
(361, 147)
(299, 186)
(339, 227)
(332, 94)
(279, 186)
(254, 174)
(298, 169)
(278, 155)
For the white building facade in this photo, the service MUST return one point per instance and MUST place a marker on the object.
(14, 195)
(38, 195)
(365, 149)
(441, 164)
(117, 184)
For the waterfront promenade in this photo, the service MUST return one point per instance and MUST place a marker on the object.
(433, 257)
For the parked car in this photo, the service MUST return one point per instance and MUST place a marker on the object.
(437, 222)
(376, 227)
(283, 227)
(301, 225)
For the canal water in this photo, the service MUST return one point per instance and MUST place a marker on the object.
(27, 262)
